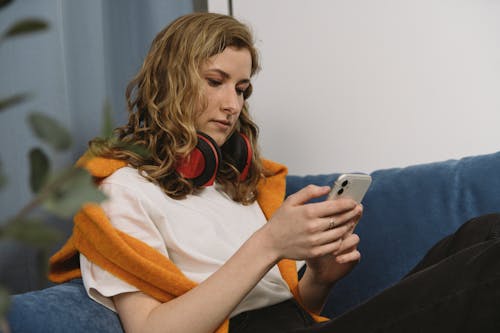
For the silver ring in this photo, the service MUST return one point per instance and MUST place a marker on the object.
(332, 223)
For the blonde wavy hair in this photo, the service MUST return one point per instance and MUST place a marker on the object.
(165, 97)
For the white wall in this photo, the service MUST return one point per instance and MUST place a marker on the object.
(361, 85)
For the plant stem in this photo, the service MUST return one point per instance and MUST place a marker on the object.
(44, 193)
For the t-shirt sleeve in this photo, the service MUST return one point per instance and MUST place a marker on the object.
(127, 211)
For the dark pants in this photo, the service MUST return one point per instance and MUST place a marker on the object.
(455, 288)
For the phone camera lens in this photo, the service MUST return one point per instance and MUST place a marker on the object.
(339, 192)
(344, 183)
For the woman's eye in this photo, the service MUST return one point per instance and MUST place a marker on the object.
(241, 90)
(213, 83)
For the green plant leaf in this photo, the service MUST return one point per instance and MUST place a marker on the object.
(12, 100)
(32, 232)
(75, 187)
(50, 130)
(138, 149)
(4, 304)
(26, 26)
(107, 125)
(39, 169)
(4, 3)
(3, 179)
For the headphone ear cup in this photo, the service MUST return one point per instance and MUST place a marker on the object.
(201, 165)
(238, 151)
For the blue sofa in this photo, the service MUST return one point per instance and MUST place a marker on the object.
(406, 211)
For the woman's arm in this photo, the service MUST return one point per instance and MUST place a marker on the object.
(206, 306)
(297, 231)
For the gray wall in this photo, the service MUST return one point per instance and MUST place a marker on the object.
(89, 54)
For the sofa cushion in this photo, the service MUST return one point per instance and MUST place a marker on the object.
(60, 309)
(20, 260)
(406, 211)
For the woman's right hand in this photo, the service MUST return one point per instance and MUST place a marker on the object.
(300, 230)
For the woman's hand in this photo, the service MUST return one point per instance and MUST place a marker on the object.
(321, 234)
(331, 267)
(324, 271)
(301, 230)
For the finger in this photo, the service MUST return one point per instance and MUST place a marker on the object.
(348, 244)
(324, 249)
(332, 207)
(359, 210)
(331, 235)
(350, 216)
(307, 193)
(353, 256)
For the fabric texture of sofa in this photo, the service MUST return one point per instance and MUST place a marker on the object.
(406, 210)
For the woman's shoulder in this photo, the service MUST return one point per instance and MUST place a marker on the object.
(126, 186)
(128, 177)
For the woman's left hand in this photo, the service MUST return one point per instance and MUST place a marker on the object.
(324, 271)
(330, 268)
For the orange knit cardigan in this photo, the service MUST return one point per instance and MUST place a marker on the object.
(136, 262)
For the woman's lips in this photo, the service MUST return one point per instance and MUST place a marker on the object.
(223, 124)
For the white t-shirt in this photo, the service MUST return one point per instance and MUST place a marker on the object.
(198, 234)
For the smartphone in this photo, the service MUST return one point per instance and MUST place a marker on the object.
(350, 185)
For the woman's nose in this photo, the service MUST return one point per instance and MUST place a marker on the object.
(231, 101)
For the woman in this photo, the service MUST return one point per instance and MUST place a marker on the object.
(192, 88)
(203, 204)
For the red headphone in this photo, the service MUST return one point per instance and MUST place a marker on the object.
(202, 164)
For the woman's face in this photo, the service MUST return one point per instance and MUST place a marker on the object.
(225, 78)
